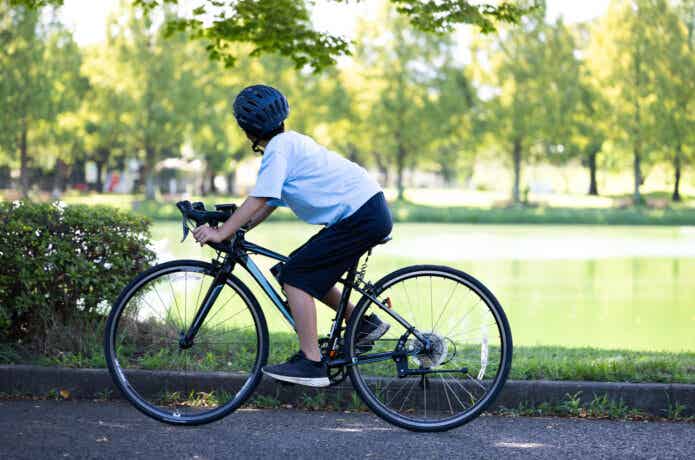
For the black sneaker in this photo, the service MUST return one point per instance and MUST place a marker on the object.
(298, 369)
(371, 329)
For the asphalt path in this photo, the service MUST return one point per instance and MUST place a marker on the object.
(86, 429)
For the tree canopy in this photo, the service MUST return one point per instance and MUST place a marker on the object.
(284, 26)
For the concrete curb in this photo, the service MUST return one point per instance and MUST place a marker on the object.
(651, 398)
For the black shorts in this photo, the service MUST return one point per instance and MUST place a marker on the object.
(318, 264)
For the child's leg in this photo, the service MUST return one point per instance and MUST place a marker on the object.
(332, 299)
(304, 314)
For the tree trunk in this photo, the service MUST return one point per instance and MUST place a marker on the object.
(23, 161)
(516, 195)
(231, 185)
(353, 152)
(677, 166)
(150, 188)
(102, 159)
(100, 182)
(400, 169)
(637, 171)
(593, 186)
(383, 168)
(150, 192)
(59, 178)
(212, 190)
(637, 132)
(77, 174)
(446, 171)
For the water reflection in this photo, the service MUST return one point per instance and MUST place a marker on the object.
(555, 283)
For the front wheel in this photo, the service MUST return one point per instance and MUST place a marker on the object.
(452, 375)
(168, 378)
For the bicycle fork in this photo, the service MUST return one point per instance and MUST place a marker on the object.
(186, 339)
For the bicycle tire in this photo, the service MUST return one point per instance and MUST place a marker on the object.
(366, 392)
(119, 377)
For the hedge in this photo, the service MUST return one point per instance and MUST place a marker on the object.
(62, 266)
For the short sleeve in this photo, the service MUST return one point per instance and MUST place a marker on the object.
(271, 176)
(276, 202)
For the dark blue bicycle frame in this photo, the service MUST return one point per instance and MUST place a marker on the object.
(237, 252)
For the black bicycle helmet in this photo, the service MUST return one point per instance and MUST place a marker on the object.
(260, 109)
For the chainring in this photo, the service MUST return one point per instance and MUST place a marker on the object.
(338, 374)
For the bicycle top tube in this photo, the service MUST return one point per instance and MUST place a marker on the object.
(254, 248)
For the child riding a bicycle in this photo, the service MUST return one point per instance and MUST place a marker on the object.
(441, 360)
(320, 187)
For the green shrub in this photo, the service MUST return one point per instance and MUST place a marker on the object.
(62, 267)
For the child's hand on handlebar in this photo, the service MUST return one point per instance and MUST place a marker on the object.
(204, 234)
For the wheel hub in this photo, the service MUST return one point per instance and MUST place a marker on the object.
(427, 359)
(184, 344)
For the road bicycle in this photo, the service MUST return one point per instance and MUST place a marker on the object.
(186, 340)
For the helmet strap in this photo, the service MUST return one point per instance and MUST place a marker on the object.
(257, 148)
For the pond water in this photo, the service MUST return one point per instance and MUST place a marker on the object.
(606, 287)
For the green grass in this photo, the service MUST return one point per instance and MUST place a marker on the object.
(600, 407)
(529, 363)
(559, 363)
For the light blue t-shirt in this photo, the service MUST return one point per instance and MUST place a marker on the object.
(320, 186)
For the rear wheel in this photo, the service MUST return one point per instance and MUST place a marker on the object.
(194, 383)
(444, 384)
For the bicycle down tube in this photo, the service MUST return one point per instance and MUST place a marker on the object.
(242, 257)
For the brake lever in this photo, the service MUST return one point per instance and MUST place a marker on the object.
(185, 229)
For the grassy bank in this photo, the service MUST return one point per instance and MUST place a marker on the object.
(529, 363)
(438, 206)
(410, 212)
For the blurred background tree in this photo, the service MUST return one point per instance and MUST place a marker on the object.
(409, 98)
(39, 64)
(522, 73)
(674, 86)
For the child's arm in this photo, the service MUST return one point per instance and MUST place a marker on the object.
(260, 216)
(204, 234)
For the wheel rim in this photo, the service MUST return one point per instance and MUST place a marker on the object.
(185, 384)
(466, 332)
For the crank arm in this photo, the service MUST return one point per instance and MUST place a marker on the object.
(365, 359)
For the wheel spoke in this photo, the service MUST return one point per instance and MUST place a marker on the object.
(220, 308)
(431, 314)
(464, 317)
(453, 290)
(176, 304)
(457, 304)
(147, 340)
